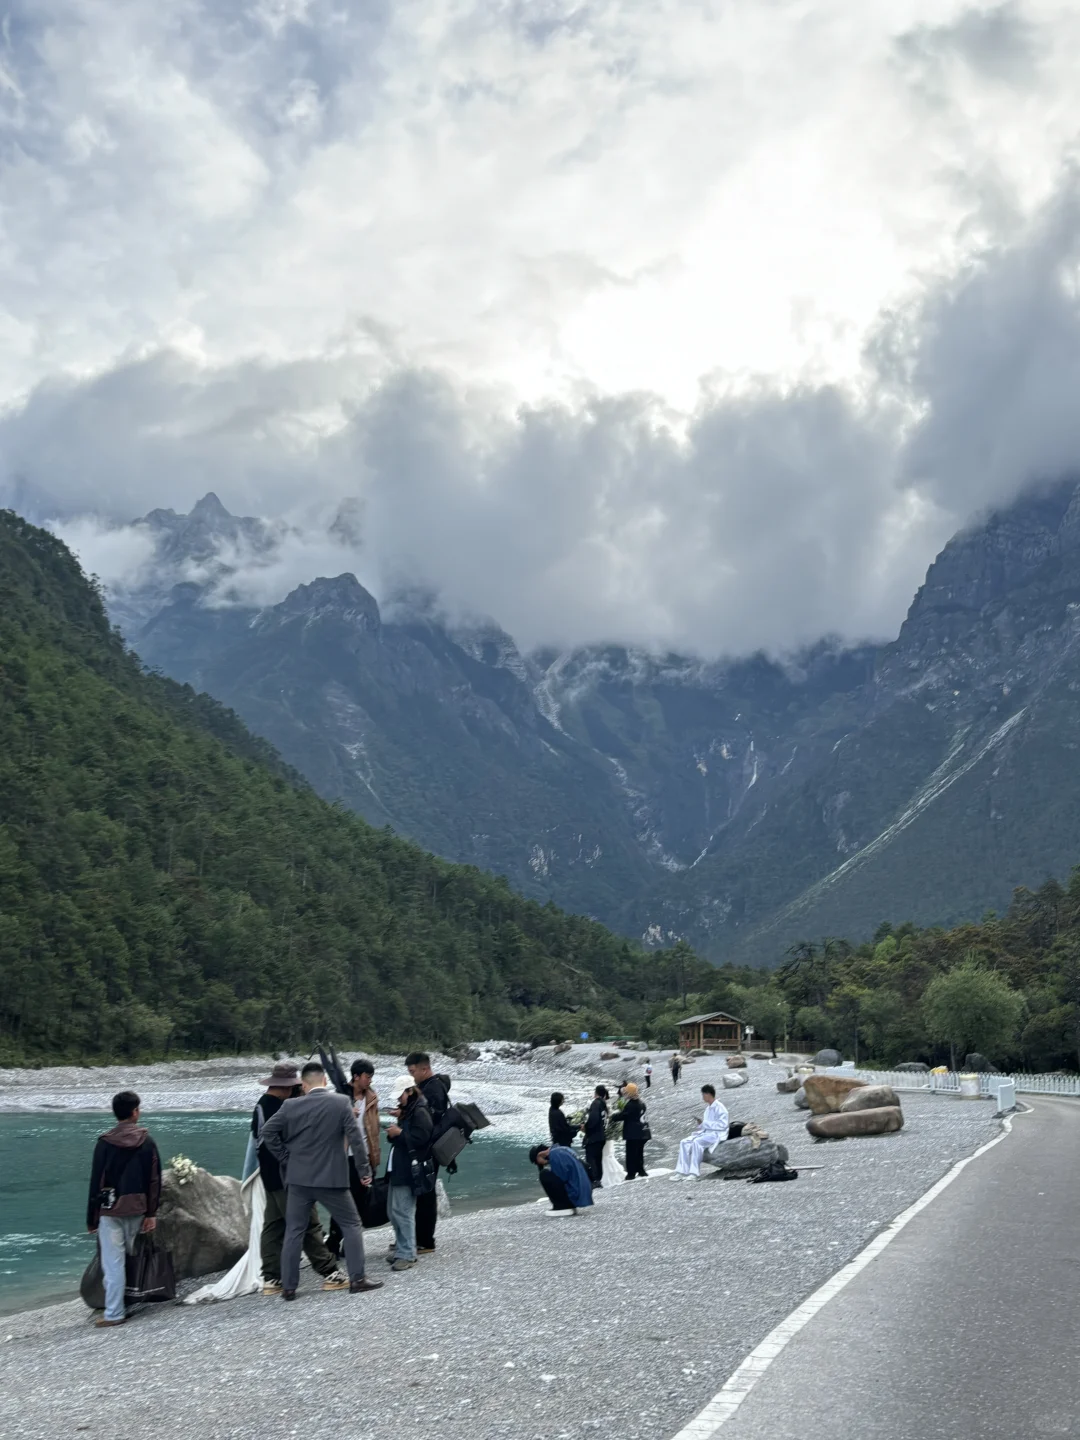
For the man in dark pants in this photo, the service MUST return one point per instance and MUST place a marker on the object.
(595, 1135)
(281, 1085)
(434, 1092)
(307, 1137)
(564, 1178)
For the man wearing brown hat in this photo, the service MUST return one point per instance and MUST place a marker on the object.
(281, 1085)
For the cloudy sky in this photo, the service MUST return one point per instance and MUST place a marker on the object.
(692, 323)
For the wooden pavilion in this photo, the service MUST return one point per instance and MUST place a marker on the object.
(716, 1031)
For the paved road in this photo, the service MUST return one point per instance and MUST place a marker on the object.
(967, 1327)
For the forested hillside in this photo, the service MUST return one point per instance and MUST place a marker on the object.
(166, 883)
(1008, 987)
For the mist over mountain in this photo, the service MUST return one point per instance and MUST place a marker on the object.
(739, 803)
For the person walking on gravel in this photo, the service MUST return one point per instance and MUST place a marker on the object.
(675, 1066)
(648, 1074)
(125, 1188)
(307, 1137)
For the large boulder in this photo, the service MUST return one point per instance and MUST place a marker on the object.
(914, 1067)
(204, 1223)
(870, 1097)
(826, 1093)
(699, 1053)
(609, 1055)
(735, 1079)
(828, 1059)
(736, 1062)
(790, 1085)
(980, 1065)
(882, 1121)
(739, 1157)
(801, 1102)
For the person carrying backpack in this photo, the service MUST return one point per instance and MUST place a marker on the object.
(436, 1091)
(125, 1189)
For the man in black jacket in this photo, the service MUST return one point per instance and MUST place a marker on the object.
(596, 1135)
(434, 1090)
(281, 1085)
(125, 1188)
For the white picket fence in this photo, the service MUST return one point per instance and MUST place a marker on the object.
(950, 1083)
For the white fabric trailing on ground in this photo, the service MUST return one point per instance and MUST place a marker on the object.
(245, 1277)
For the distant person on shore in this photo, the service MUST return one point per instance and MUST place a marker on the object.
(435, 1090)
(282, 1084)
(564, 1178)
(410, 1138)
(632, 1118)
(596, 1134)
(366, 1110)
(559, 1127)
(307, 1137)
(648, 1074)
(712, 1130)
(675, 1066)
(125, 1189)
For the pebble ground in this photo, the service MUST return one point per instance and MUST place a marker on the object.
(626, 1320)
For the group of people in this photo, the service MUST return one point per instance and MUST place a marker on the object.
(569, 1181)
(313, 1146)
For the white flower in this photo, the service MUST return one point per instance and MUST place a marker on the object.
(184, 1169)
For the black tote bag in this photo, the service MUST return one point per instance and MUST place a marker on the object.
(150, 1277)
(374, 1212)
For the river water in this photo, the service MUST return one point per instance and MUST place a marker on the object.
(45, 1167)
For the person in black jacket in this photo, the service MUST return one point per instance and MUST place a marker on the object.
(410, 1138)
(562, 1132)
(632, 1118)
(595, 1135)
(283, 1083)
(125, 1188)
(435, 1090)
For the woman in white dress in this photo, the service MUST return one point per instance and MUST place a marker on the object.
(712, 1130)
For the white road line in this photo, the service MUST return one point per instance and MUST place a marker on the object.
(722, 1407)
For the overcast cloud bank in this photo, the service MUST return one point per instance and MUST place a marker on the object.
(643, 323)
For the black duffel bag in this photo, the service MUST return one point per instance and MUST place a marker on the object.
(92, 1284)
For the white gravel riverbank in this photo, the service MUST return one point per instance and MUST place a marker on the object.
(627, 1319)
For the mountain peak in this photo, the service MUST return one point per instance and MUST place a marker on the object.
(209, 508)
(340, 597)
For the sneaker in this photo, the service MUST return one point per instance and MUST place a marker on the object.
(425, 1249)
(335, 1281)
(557, 1214)
(272, 1287)
(400, 1265)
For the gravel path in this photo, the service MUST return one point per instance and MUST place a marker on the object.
(629, 1317)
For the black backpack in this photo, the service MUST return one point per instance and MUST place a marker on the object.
(777, 1170)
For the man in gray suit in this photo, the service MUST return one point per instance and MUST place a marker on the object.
(307, 1136)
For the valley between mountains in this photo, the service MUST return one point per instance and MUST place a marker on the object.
(741, 804)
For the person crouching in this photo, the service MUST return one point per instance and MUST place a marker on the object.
(410, 1138)
(564, 1178)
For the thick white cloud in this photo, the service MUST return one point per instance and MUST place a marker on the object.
(678, 323)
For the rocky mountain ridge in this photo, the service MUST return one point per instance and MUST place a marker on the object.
(741, 804)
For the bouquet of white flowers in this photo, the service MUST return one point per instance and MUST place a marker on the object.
(184, 1169)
